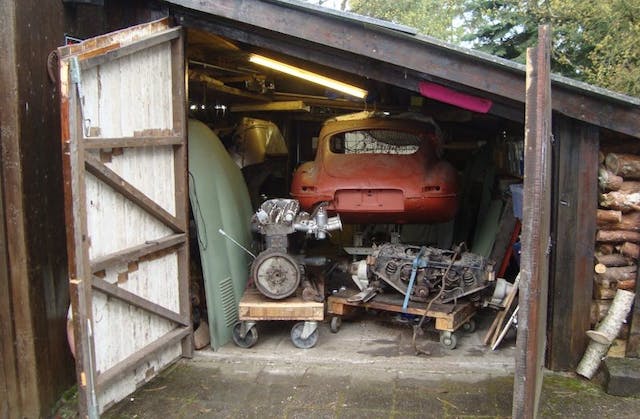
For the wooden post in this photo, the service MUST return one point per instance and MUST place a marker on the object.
(9, 382)
(180, 118)
(17, 317)
(536, 239)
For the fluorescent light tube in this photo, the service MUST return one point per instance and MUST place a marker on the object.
(308, 75)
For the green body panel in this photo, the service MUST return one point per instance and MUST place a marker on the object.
(487, 229)
(220, 200)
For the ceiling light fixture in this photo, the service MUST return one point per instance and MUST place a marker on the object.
(308, 75)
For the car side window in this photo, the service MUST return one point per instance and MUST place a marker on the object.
(337, 144)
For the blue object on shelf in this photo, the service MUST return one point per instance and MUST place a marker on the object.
(516, 251)
(516, 196)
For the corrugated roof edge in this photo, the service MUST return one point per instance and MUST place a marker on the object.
(406, 31)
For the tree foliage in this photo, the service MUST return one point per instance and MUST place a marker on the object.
(500, 27)
(612, 30)
(593, 40)
(435, 18)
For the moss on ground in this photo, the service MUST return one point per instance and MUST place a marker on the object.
(217, 391)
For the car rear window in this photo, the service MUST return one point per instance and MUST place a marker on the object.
(375, 141)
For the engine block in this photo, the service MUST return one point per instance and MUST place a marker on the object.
(426, 271)
(275, 272)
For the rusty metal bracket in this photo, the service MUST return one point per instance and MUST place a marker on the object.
(76, 78)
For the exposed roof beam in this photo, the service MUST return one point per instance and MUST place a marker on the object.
(362, 66)
(215, 84)
(290, 106)
(437, 61)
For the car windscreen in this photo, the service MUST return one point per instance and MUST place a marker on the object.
(375, 141)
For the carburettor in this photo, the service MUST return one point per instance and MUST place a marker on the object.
(425, 271)
(276, 273)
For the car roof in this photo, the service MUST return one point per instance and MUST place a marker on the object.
(380, 119)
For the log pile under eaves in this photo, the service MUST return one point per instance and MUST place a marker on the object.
(617, 238)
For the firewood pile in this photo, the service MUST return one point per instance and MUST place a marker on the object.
(617, 238)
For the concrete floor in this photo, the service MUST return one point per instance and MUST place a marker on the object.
(369, 369)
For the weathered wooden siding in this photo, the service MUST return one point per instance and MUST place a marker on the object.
(37, 364)
(576, 189)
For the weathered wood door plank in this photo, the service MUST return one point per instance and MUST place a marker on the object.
(132, 214)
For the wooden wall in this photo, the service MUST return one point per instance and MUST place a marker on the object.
(36, 365)
(575, 179)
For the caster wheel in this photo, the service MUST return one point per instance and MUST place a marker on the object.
(335, 324)
(448, 340)
(298, 342)
(469, 327)
(249, 339)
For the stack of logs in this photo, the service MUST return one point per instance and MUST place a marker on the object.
(618, 236)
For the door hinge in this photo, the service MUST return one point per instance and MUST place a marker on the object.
(76, 78)
(75, 70)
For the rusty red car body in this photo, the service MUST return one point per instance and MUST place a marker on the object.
(404, 181)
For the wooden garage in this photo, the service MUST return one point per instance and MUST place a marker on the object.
(214, 39)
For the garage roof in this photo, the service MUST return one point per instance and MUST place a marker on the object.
(397, 55)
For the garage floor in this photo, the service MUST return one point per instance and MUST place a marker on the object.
(368, 369)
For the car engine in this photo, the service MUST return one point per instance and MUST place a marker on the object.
(422, 272)
(275, 272)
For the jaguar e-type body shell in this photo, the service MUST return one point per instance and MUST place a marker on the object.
(379, 170)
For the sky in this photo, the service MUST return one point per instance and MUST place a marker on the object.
(333, 4)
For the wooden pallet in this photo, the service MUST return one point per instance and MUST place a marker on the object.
(256, 307)
(449, 317)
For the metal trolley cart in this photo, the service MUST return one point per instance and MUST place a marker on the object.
(255, 307)
(448, 317)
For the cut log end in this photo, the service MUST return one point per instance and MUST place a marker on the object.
(600, 268)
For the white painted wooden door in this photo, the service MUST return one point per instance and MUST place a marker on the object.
(124, 151)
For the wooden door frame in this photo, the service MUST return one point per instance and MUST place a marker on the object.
(536, 231)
